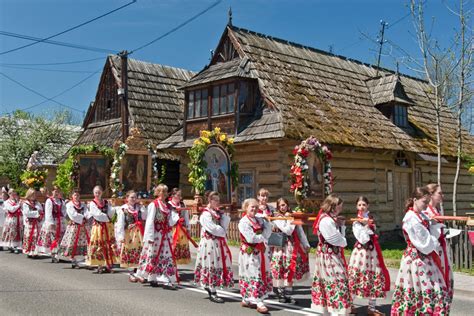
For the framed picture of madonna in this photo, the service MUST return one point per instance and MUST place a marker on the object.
(93, 170)
(136, 174)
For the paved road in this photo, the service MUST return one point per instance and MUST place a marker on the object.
(38, 287)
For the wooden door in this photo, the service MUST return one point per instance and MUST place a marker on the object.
(401, 192)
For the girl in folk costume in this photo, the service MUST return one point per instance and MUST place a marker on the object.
(76, 237)
(102, 249)
(130, 230)
(54, 225)
(2, 213)
(33, 215)
(420, 288)
(157, 262)
(181, 237)
(12, 228)
(368, 276)
(438, 229)
(255, 278)
(263, 207)
(330, 289)
(214, 259)
(289, 263)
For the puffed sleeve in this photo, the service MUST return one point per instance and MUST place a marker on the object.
(361, 232)
(267, 229)
(10, 207)
(63, 209)
(120, 225)
(225, 221)
(331, 234)
(247, 231)
(173, 218)
(48, 212)
(110, 210)
(208, 225)
(149, 234)
(144, 212)
(29, 213)
(97, 214)
(285, 226)
(420, 236)
(436, 228)
(302, 236)
(73, 214)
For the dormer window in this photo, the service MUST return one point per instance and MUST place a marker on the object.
(223, 99)
(197, 103)
(400, 116)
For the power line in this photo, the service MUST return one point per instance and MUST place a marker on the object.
(68, 30)
(37, 39)
(50, 70)
(54, 64)
(177, 27)
(37, 93)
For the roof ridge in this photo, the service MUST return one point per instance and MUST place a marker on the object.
(150, 63)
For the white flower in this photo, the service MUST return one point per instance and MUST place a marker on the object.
(113, 176)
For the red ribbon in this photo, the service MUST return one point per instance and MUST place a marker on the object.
(108, 260)
(16, 214)
(296, 249)
(259, 246)
(58, 207)
(186, 233)
(442, 241)
(386, 274)
(74, 248)
(34, 227)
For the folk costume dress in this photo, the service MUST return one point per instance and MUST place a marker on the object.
(33, 216)
(53, 227)
(368, 275)
(157, 262)
(420, 288)
(290, 263)
(438, 230)
(330, 288)
(181, 236)
(214, 259)
(266, 210)
(76, 237)
(255, 278)
(102, 249)
(12, 228)
(130, 229)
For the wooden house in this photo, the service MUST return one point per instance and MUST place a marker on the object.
(271, 94)
(137, 103)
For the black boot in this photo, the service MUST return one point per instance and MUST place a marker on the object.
(288, 298)
(281, 295)
(213, 296)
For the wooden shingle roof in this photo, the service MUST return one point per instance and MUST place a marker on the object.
(388, 89)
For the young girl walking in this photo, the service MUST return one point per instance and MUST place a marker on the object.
(263, 206)
(12, 228)
(157, 263)
(420, 288)
(33, 215)
(254, 264)
(130, 231)
(214, 260)
(368, 276)
(73, 246)
(289, 263)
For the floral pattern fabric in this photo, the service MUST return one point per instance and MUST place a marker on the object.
(102, 250)
(132, 247)
(47, 236)
(11, 236)
(73, 246)
(30, 237)
(280, 265)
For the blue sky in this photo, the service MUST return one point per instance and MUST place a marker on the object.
(318, 23)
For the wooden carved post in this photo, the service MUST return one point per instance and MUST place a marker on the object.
(124, 95)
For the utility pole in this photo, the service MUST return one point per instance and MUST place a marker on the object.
(381, 41)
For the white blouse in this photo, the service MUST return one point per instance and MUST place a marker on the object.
(149, 234)
(74, 215)
(120, 225)
(48, 211)
(362, 232)
(330, 232)
(287, 228)
(208, 224)
(246, 229)
(97, 214)
(30, 213)
(9, 207)
(419, 235)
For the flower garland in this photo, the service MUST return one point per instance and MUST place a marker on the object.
(115, 183)
(158, 176)
(34, 178)
(197, 166)
(299, 168)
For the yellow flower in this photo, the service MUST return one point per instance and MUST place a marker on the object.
(222, 138)
(471, 170)
(217, 130)
(230, 140)
(205, 134)
(206, 140)
(197, 142)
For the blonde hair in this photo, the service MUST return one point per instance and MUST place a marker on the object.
(30, 194)
(331, 202)
(263, 192)
(98, 187)
(161, 190)
(211, 195)
(130, 192)
(247, 202)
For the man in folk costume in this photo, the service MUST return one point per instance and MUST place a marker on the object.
(420, 288)
(330, 292)
(33, 215)
(12, 228)
(255, 278)
(130, 230)
(368, 276)
(76, 237)
(54, 225)
(102, 249)
(157, 263)
(214, 260)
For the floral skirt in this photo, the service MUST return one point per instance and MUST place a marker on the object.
(420, 288)
(366, 278)
(131, 248)
(213, 270)
(102, 250)
(74, 242)
(46, 238)
(156, 260)
(330, 288)
(11, 236)
(30, 238)
(280, 266)
(181, 250)
(254, 285)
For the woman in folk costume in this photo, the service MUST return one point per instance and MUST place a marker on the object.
(2, 213)
(33, 216)
(420, 288)
(214, 260)
(102, 249)
(130, 230)
(54, 225)
(438, 229)
(289, 263)
(255, 278)
(181, 237)
(157, 262)
(263, 207)
(330, 289)
(76, 237)
(368, 276)
(12, 228)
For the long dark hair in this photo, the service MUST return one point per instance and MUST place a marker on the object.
(418, 193)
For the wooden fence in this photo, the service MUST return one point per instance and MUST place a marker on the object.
(461, 250)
